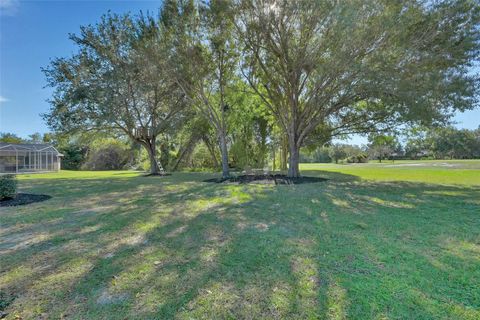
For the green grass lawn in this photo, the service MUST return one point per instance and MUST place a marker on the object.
(375, 241)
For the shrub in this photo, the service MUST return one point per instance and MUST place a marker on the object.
(8, 186)
(201, 157)
(110, 155)
(359, 158)
(74, 155)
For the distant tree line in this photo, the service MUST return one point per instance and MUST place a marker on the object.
(435, 143)
(443, 143)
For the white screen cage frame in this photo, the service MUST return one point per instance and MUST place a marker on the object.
(28, 158)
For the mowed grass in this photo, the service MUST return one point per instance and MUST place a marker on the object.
(461, 172)
(372, 242)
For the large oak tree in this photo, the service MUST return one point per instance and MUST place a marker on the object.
(118, 81)
(354, 66)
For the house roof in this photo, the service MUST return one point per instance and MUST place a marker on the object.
(38, 147)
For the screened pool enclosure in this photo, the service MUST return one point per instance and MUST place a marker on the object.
(19, 158)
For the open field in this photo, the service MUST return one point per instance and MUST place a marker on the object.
(463, 172)
(375, 241)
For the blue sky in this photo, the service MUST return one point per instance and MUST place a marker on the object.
(33, 32)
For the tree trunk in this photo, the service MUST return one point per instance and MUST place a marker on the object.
(273, 163)
(263, 150)
(186, 151)
(294, 160)
(283, 154)
(151, 149)
(223, 149)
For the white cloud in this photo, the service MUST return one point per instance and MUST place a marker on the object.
(9, 7)
(3, 99)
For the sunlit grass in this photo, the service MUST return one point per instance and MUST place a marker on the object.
(372, 242)
(462, 172)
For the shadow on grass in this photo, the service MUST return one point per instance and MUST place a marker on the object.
(180, 248)
(276, 179)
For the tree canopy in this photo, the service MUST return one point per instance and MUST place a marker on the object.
(119, 81)
(315, 70)
(357, 66)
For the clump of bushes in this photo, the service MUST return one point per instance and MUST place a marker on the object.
(74, 155)
(109, 155)
(359, 158)
(8, 186)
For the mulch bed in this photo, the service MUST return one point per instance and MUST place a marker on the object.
(266, 179)
(23, 198)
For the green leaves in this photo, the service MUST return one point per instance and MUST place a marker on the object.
(357, 66)
(333, 68)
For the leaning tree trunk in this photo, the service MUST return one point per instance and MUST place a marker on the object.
(211, 149)
(186, 151)
(224, 151)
